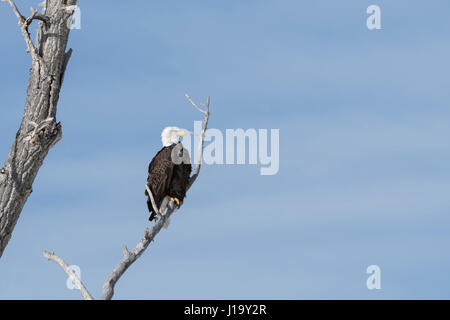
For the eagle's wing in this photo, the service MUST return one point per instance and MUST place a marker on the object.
(181, 175)
(160, 173)
(159, 177)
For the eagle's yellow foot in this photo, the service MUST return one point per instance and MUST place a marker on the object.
(178, 202)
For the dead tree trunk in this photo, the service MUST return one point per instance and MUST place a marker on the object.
(39, 131)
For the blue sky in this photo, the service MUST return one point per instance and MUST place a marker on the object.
(364, 150)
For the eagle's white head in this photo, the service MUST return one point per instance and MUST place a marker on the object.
(171, 135)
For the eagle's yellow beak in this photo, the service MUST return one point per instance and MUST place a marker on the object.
(182, 133)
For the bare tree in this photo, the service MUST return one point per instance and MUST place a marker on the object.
(39, 131)
(164, 213)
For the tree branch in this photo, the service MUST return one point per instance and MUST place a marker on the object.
(78, 284)
(164, 213)
(130, 257)
(35, 15)
(200, 145)
(195, 105)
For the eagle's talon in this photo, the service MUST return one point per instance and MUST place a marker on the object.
(178, 202)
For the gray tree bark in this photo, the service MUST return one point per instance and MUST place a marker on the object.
(39, 131)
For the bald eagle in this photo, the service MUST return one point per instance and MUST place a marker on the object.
(169, 170)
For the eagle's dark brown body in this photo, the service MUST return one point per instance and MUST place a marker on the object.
(166, 177)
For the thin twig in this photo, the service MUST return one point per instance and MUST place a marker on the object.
(23, 24)
(78, 284)
(194, 104)
(200, 145)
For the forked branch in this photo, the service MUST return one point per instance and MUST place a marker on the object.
(35, 15)
(24, 24)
